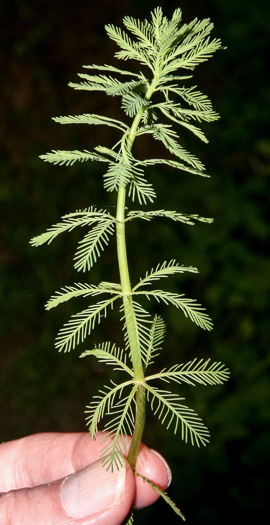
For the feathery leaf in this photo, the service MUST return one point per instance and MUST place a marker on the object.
(143, 31)
(129, 519)
(190, 308)
(179, 118)
(117, 430)
(161, 493)
(173, 215)
(163, 270)
(91, 246)
(81, 325)
(103, 404)
(67, 158)
(168, 137)
(132, 103)
(92, 119)
(119, 175)
(129, 49)
(156, 338)
(69, 292)
(111, 355)
(110, 85)
(128, 88)
(169, 410)
(113, 69)
(71, 221)
(110, 287)
(173, 164)
(203, 372)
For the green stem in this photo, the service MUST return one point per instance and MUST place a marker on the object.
(130, 317)
(139, 426)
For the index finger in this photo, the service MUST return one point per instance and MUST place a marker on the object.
(45, 457)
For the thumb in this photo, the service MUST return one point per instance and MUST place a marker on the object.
(92, 495)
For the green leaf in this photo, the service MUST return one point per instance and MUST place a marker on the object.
(156, 338)
(163, 494)
(95, 83)
(143, 31)
(129, 519)
(196, 98)
(110, 287)
(119, 175)
(92, 119)
(133, 103)
(203, 108)
(81, 325)
(91, 246)
(67, 158)
(129, 49)
(173, 215)
(140, 189)
(166, 45)
(125, 88)
(71, 221)
(170, 78)
(112, 69)
(158, 22)
(82, 289)
(195, 48)
(169, 137)
(167, 33)
(69, 292)
(202, 372)
(169, 410)
(107, 152)
(102, 404)
(163, 270)
(111, 355)
(195, 114)
(202, 52)
(177, 117)
(189, 307)
(173, 164)
(117, 430)
(196, 33)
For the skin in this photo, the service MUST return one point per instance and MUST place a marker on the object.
(38, 487)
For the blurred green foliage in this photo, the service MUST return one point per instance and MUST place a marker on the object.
(43, 46)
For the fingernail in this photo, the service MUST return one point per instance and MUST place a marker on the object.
(92, 490)
(169, 472)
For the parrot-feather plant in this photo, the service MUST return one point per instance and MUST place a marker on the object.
(168, 49)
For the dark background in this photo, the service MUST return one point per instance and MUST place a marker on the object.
(43, 46)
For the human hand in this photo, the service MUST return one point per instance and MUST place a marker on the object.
(58, 478)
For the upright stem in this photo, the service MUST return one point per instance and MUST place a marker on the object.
(130, 317)
(139, 426)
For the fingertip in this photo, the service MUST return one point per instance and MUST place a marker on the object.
(163, 464)
(154, 467)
